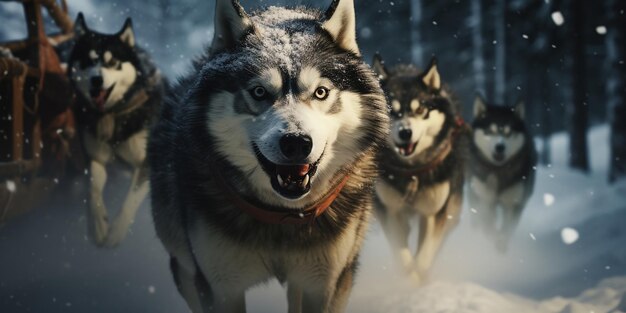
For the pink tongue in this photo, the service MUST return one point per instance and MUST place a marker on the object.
(409, 149)
(293, 170)
(100, 99)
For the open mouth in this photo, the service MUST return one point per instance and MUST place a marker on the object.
(99, 96)
(291, 181)
(498, 157)
(406, 150)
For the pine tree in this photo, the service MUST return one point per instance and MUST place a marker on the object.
(616, 86)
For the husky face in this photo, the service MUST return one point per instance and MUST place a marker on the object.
(421, 112)
(103, 67)
(499, 131)
(290, 103)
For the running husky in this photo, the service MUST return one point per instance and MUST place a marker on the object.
(263, 162)
(422, 164)
(501, 174)
(119, 93)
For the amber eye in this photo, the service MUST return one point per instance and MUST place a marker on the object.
(258, 93)
(321, 93)
(113, 63)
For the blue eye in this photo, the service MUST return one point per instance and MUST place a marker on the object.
(258, 93)
(321, 93)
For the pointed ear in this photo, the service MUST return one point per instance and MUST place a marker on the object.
(479, 106)
(431, 77)
(378, 65)
(340, 22)
(520, 111)
(80, 27)
(231, 23)
(127, 34)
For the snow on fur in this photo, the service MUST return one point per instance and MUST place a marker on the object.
(285, 34)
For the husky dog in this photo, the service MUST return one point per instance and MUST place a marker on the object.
(421, 165)
(263, 161)
(501, 174)
(119, 93)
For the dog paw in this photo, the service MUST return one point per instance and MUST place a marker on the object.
(415, 279)
(117, 233)
(406, 259)
(98, 229)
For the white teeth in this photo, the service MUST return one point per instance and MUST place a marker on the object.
(280, 180)
(305, 181)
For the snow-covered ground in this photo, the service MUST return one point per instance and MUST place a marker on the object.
(541, 272)
(46, 264)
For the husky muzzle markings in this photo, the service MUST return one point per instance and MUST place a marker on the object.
(421, 165)
(118, 93)
(501, 176)
(263, 160)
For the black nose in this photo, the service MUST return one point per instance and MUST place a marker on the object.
(296, 147)
(405, 134)
(500, 148)
(97, 81)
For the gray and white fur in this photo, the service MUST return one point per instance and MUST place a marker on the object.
(501, 174)
(278, 89)
(422, 165)
(119, 92)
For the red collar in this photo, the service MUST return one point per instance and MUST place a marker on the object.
(277, 215)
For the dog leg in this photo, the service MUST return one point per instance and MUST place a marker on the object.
(316, 301)
(435, 230)
(427, 244)
(397, 229)
(512, 202)
(97, 221)
(294, 298)
(186, 284)
(483, 201)
(227, 301)
(510, 219)
(344, 288)
(137, 192)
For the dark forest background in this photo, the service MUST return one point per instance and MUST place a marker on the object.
(563, 58)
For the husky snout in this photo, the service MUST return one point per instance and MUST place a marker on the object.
(296, 147)
(405, 134)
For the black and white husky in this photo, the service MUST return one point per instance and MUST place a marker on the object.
(118, 93)
(263, 163)
(501, 175)
(422, 164)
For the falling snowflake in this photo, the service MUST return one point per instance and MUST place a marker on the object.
(557, 18)
(11, 186)
(151, 289)
(548, 199)
(532, 236)
(569, 235)
(601, 30)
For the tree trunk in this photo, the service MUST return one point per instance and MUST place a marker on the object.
(616, 86)
(478, 62)
(546, 113)
(500, 53)
(578, 110)
(417, 53)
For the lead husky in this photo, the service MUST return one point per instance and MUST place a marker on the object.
(501, 176)
(263, 162)
(422, 164)
(119, 92)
